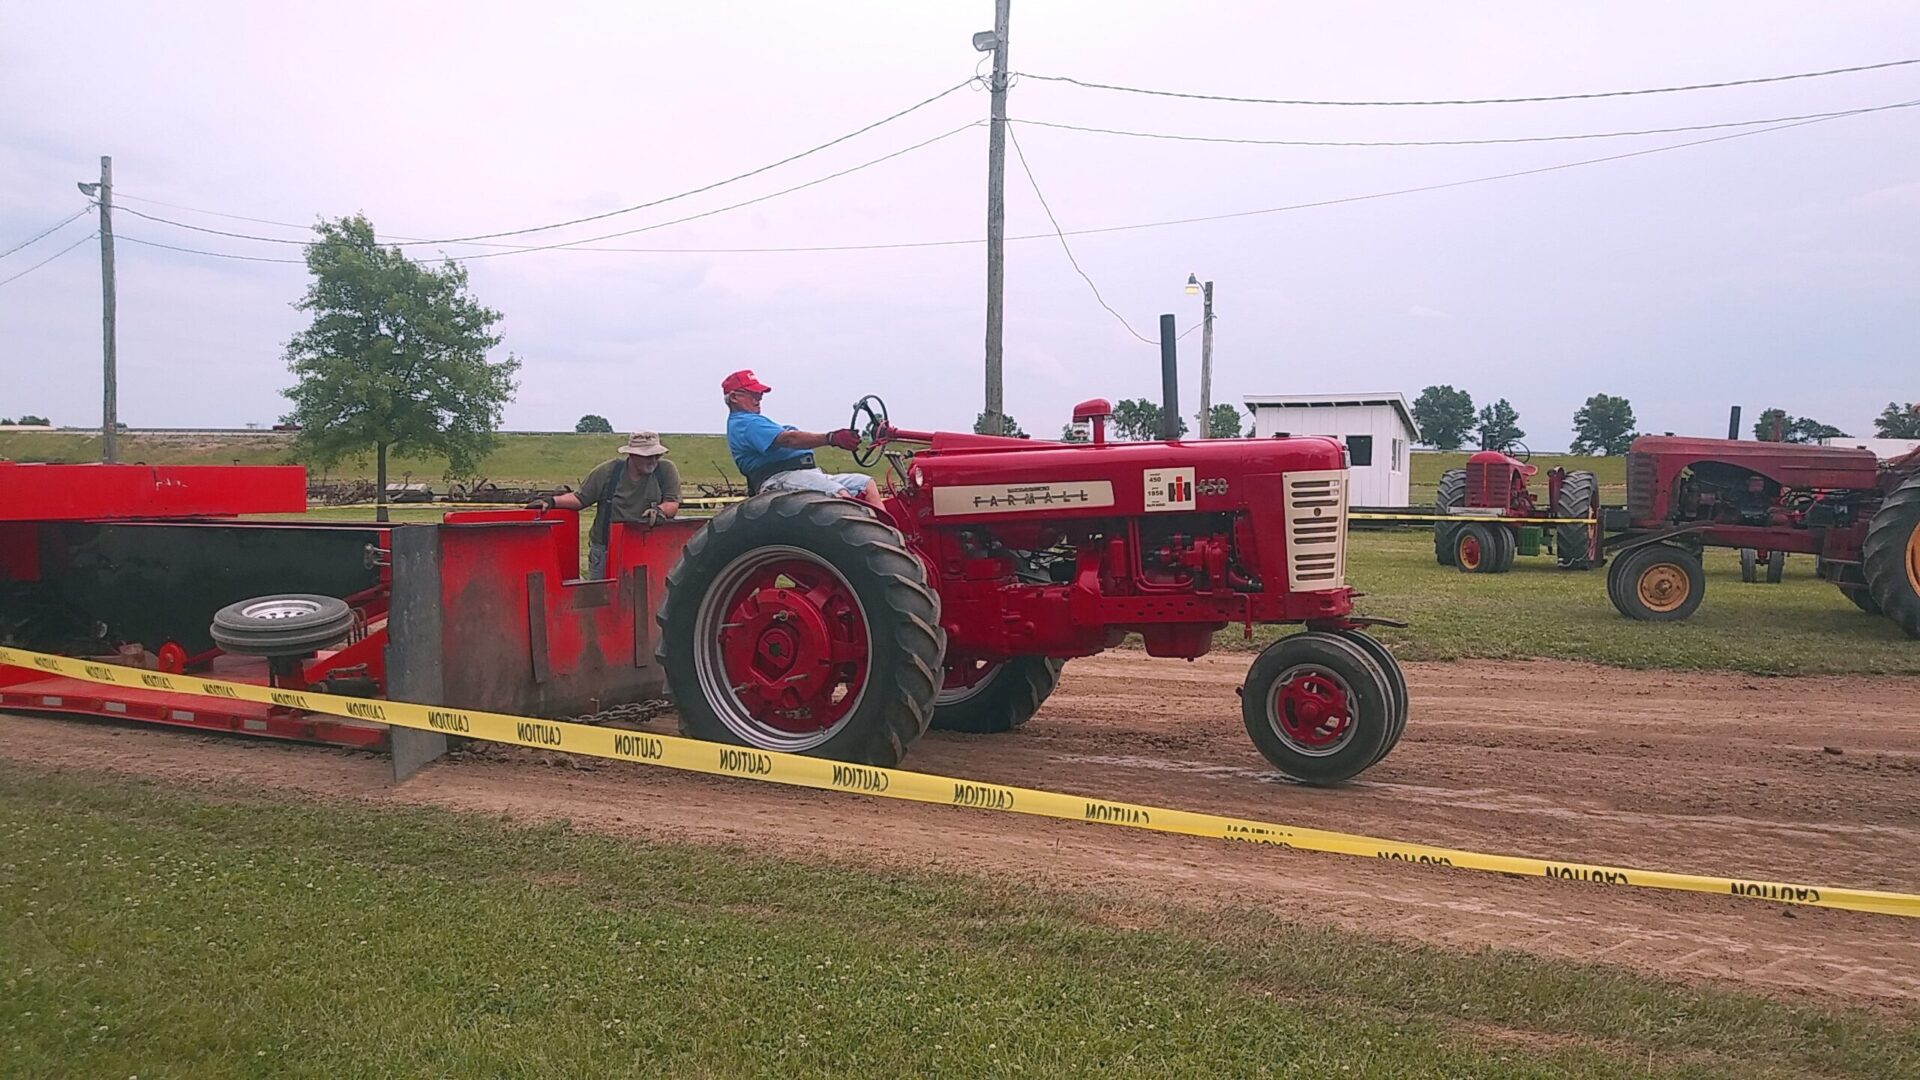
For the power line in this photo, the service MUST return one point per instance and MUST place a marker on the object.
(1475, 101)
(1028, 169)
(197, 251)
(49, 258)
(49, 231)
(1456, 142)
(521, 249)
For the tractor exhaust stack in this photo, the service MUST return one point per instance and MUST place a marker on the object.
(1169, 381)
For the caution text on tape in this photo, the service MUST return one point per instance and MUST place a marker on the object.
(692, 755)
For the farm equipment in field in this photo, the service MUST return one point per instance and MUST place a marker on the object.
(1859, 519)
(806, 623)
(1492, 492)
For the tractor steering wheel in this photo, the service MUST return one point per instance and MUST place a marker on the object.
(1524, 455)
(872, 432)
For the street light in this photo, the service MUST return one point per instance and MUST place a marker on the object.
(1194, 286)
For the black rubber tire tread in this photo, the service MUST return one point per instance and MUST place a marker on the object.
(1749, 566)
(1389, 665)
(906, 645)
(1451, 493)
(1490, 547)
(293, 636)
(1579, 494)
(1852, 583)
(1776, 567)
(1622, 585)
(1018, 690)
(1883, 556)
(1374, 719)
(1509, 541)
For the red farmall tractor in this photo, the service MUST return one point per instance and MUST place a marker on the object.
(1859, 518)
(805, 623)
(1492, 491)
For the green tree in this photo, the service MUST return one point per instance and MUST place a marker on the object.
(1775, 425)
(29, 419)
(1138, 420)
(1604, 425)
(1500, 426)
(1445, 416)
(593, 424)
(1898, 421)
(1070, 433)
(1224, 422)
(395, 358)
(1011, 429)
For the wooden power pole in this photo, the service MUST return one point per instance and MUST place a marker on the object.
(109, 403)
(996, 215)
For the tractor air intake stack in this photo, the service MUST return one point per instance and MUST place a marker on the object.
(1169, 381)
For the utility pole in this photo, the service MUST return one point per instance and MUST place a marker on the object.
(1206, 365)
(996, 212)
(109, 405)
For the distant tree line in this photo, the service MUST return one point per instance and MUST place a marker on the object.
(1605, 423)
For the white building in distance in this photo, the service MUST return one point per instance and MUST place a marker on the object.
(1377, 429)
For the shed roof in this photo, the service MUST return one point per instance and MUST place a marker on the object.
(1328, 401)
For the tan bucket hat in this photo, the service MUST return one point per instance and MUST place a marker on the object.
(644, 443)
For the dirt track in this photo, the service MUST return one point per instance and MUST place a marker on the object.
(1722, 774)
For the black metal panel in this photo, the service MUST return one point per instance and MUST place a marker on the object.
(150, 583)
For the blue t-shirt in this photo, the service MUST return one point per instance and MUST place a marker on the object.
(750, 439)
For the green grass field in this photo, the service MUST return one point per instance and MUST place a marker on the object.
(216, 933)
(563, 459)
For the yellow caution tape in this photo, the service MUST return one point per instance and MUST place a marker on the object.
(692, 755)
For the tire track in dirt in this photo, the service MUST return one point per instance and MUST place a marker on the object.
(1708, 773)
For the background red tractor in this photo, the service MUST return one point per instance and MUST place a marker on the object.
(1493, 488)
(805, 623)
(1859, 518)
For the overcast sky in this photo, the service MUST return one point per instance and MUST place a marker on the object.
(1781, 268)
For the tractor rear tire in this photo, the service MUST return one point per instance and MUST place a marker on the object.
(1776, 567)
(1657, 583)
(1749, 566)
(1852, 583)
(1396, 683)
(1476, 548)
(854, 620)
(1452, 492)
(1573, 543)
(1890, 557)
(1002, 699)
(285, 624)
(1318, 707)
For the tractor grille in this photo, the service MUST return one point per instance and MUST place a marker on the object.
(1643, 476)
(1488, 483)
(1316, 530)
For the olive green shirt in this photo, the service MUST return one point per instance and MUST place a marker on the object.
(633, 495)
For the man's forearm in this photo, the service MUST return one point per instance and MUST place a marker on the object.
(801, 440)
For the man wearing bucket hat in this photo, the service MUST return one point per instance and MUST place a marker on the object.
(779, 457)
(640, 485)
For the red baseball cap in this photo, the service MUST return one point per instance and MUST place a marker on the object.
(743, 380)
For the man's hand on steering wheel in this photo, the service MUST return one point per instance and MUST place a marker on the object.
(871, 432)
(845, 439)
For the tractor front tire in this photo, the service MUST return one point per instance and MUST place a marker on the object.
(1749, 566)
(1657, 583)
(998, 699)
(1776, 567)
(1890, 557)
(1396, 683)
(1573, 543)
(1477, 548)
(1318, 707)
(801, 623)
(1509, 540)
(1451, 493)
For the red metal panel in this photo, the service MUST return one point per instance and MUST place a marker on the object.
(89, 492)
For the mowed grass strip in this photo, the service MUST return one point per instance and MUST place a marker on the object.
(152, 933)
(1802, 626)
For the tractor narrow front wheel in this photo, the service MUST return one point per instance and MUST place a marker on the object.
(1396, 683)
(1657, 583)
(985, 699)
(799, 622)
(1318, 707)
(1890, 557)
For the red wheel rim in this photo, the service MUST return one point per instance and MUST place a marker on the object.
(965, 678)
(1470, 552)
(1311, 709)
(783, 654)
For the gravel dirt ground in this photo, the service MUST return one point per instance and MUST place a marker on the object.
(1814, 780)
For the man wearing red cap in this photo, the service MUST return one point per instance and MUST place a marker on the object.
(776, 457)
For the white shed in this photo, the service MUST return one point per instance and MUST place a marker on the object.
(1378, 431)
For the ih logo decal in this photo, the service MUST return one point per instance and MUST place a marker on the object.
(1168, 489)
